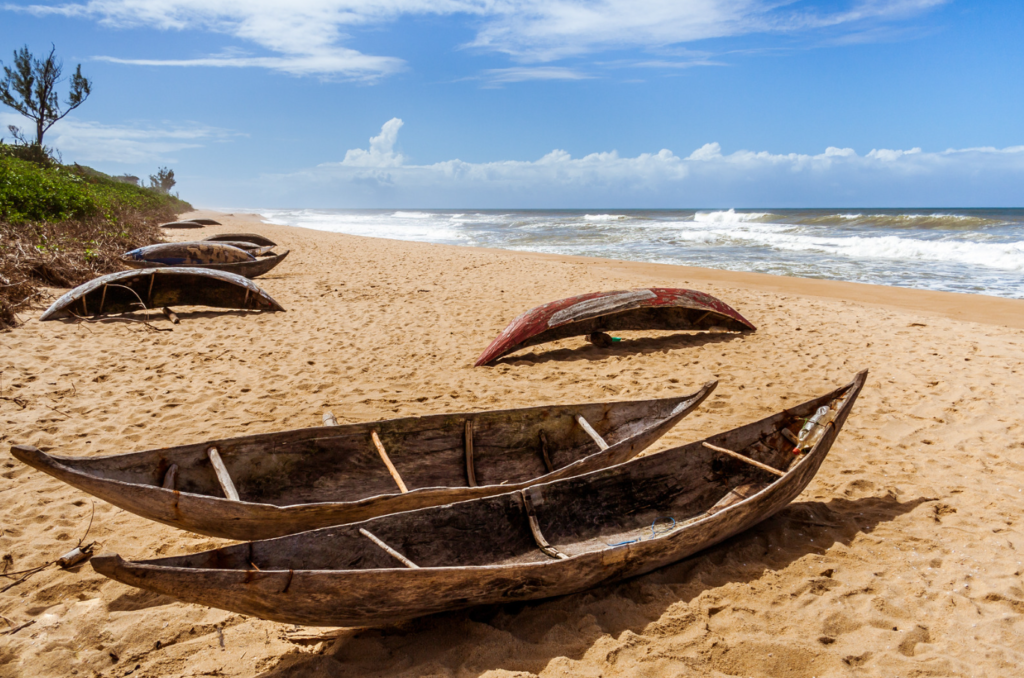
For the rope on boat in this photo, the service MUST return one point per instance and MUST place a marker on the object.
(655, 531)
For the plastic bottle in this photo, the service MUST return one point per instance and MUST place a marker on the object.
(815, 428)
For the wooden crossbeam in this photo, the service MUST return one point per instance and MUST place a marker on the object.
(387, 462)
(470, 468)
(538, 536)
(222, 474)
(748, 460)
(391, 552)
(544, 452)
(591, 432)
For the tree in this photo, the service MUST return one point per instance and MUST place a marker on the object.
(163, 180)
(30, 88)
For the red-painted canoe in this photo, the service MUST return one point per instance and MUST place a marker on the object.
(655, 308)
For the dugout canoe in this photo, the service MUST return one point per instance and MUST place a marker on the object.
(149, 288)
(291, 481)
(182, 224)
(208, 255)
(655, 308)
(206, 222)
(552, 539)
(251, 248)
(254, 238)
(185, 254)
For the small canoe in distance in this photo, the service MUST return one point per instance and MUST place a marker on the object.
(254, 238)
(149, 288)
(206, 222)
(247, 267)
(655, 308)
(182, 224)
(185, 254)
(292, 481)
(551, 539)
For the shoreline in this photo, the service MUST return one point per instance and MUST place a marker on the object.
(978, 308)
(900, 558)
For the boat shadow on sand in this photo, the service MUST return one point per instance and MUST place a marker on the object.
(628, 346)
(155, 314)
(525, 637)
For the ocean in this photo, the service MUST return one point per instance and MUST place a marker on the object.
(977, 251)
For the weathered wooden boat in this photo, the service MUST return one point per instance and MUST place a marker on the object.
(185, 254)
(194, 253)
(148, 288)
(254, 238)
(206, 222)
(551, 539)
(182, 224)
(655, 308)
(287, 482)
(253, 249)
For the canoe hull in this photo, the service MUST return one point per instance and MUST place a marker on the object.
(254, 238)
(163, 286)
(656, 308)
(246, 269)
(220, 517)
(367, 597)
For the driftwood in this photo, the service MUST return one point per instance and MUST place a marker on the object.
(171, 315)
(613, 523)
(656, 308)
(127, 291)
(254, 238)
(308, 478)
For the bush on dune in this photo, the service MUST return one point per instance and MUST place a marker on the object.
(64, 225)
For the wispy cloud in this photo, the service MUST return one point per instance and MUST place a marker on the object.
(305, 37)
(84, 141)
(706, 176)
(524, 73)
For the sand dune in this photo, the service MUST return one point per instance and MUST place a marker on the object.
(903, 557)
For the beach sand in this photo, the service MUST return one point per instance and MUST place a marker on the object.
(902, 558)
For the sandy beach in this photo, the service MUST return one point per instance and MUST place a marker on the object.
(902, 558)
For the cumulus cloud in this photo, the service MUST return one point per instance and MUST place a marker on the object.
(304, 37)
(705, 177)
(85, 141)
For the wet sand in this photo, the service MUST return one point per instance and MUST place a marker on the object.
(903, 557)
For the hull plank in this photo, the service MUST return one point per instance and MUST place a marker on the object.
(484, 552)
(299, 480)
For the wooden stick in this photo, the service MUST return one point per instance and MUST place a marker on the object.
(170, 477)
(222, 474)
(544, 452)
(171, 315)
(470, 469)
(30, 622)
(736, 455)
(103, 299)
(329, 419)
(387, 462)
(149, 296)
(591, 432)
(538, 536)
(392, 552)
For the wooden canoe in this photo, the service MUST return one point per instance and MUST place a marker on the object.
(254, 238)
(251, 268)
(206, 222)
(655, 308)
(299, 480)
(253, 249)
(552, 539)
(127, 291)
(182, 224)
(185, 254)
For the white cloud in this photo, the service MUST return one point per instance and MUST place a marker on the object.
(84, 141)
(521, 74)
(382, 149)
(305, 36)
(705, 177)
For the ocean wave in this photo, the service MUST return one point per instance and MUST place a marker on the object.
(731, 216)
(604, 217)
(413, 215)
(937, 221)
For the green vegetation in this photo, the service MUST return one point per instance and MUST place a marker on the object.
(63, 225)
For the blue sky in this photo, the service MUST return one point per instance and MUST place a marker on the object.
(556, 103)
